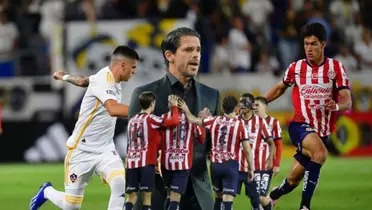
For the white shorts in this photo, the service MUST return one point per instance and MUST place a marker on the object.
(80, 167)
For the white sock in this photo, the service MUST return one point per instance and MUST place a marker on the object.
(117, 185)
(56, 197)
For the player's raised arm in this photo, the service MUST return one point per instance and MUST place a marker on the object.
(81, 81)
(164, 121)
(280, 88)
(194, 120)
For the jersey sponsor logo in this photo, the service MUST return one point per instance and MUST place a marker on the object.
(316, 92)
(225, 123)
(220, 155)
(133, 156)
(111, 92)
(177, 151)
(177, 158)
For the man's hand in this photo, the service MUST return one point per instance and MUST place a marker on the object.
(204, 113)
(1, 131)
(58, 75)
(173, 100)
(276, 170)
(250, 176)
(269, 164)
(331, 106)
(182, 105)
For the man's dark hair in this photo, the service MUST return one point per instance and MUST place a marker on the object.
(126, 52)
(261, 99)
(146, 98)
(229, 104)
(172, 41)
(314, 29)
(249, 96)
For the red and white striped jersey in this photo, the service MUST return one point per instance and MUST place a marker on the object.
(273, 127)
(314, 86)
(178, 143)
(257, 134)
(227, 135)
(144, 137)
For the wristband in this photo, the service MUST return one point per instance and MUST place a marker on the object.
(337, 107)
(64, 78)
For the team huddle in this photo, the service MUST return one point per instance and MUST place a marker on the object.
(242, 150)
(245, 143)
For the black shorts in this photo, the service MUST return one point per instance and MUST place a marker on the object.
(142, 178)
(263, 180)
(297, 133)
(250, 187)
(176, 181)
(225, 177)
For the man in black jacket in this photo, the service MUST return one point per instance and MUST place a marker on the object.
(181, 50)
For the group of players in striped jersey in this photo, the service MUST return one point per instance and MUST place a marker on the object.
(244, 146)
(244, 149)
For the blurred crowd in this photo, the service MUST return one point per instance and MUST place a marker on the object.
(260, 36)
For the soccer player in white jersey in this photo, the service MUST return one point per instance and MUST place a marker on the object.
(91, 148)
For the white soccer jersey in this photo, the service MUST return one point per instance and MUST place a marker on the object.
(94, 129)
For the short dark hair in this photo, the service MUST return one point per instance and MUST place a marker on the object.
(146, 98)
(314, 29)
(172, 41)
(249, 96)
(261, 99)
(126, 52)
(229, 104)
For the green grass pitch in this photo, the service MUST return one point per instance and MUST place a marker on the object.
(344, 184)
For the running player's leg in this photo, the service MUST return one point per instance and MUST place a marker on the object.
(79, 170)
(297, 133)
(112, 168)
(293, 179)
(146, 185)
(177, 188)
(131, 187)
(314, 148)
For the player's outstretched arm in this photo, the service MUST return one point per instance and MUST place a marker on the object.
(276, 91)
(115, 109)
(81, 81)
(194, 120)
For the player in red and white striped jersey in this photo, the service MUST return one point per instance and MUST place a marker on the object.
(317, 80)
(273, 127)
(259, 139)
(227, 133)
(177, 145)
(143, 145)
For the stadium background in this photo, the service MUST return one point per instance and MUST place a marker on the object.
(38, 37)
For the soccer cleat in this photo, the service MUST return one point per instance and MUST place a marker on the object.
(304, 208)
(39, 199)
